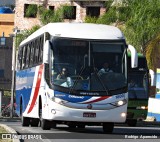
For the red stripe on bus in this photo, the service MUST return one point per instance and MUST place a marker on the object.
(39, 77)
(97, 100)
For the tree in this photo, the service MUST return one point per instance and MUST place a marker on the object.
(139, 20)
(21, 36)
(48, 16)
(142, 25)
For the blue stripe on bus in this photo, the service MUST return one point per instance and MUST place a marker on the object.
(24, 84)
(71, 98)
(156, 115)
(157, 96)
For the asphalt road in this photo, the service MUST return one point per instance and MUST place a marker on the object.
(90, 133)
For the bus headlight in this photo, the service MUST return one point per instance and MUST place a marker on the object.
(142, 107)
(58, 100)
(120, 103)
(123, 114)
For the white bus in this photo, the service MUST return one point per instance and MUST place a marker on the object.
(83, 97)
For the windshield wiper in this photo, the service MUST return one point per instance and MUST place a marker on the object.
(77, 79)
(105, 87)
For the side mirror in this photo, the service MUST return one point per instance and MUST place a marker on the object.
(134, 56)
(46, 52)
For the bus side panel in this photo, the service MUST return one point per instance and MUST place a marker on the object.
(35, 81)
(24, 83)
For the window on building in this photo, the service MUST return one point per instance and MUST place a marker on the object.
(51, 8)
(93, 11)
(1, 72)
(30, 10)
(2, 41)
(69, 12)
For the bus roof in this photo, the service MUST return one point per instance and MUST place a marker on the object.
(79, 30)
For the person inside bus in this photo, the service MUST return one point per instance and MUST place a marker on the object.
(132, 84)
(105, 69)
(63, 74)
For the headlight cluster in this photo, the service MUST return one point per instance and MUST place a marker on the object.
(120, 103)
(142, 107)
(58, 100)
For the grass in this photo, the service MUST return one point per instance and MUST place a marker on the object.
(2, 130)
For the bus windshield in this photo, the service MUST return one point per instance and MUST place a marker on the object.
(138, 80)
(76, 64)
(138, 85)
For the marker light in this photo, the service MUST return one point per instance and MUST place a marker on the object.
(58, 100)
(123, 114)
(142, 107)
(120, 103)
(53, 111)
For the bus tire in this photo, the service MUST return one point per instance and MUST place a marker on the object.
(81, 126)
(53, 124)
(132, 122)
(25, 121)
(108, 127)
(72, 126)
(45, 124)
(34, 122)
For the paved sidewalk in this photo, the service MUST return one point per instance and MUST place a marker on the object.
(10, 131)
(8, 119)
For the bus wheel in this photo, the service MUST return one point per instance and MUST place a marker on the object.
(24, 120)
(108, 127)
(132, 122)
(72, 126)
(45, 124)
(34, 122)
(53, 124)
(81, 126)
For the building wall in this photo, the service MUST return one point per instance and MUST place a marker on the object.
(6, 64)
(6, 24)
(26, 23)
(7, 2)
(6, 29)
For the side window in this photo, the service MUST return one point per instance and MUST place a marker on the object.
(41, 50)
(24, 57)
(37, 50)
(34, 52)
(19, 63)
(28, 56)
(31, 54)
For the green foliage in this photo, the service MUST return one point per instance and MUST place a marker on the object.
(142, 24)
(7, 93)
(48, 16)
(109, 17)
(123, 13)
(152, 52)
(68, 12)
(31, 10)
(89, 19)
(20, 37)
(142, 27)
(108, 4)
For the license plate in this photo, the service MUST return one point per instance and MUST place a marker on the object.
(89, 114)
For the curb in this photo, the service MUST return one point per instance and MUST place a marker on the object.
(10, 119)
(10, 130)
(146, 124)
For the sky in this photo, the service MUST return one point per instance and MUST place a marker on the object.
(158, 82)
(7, 2)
